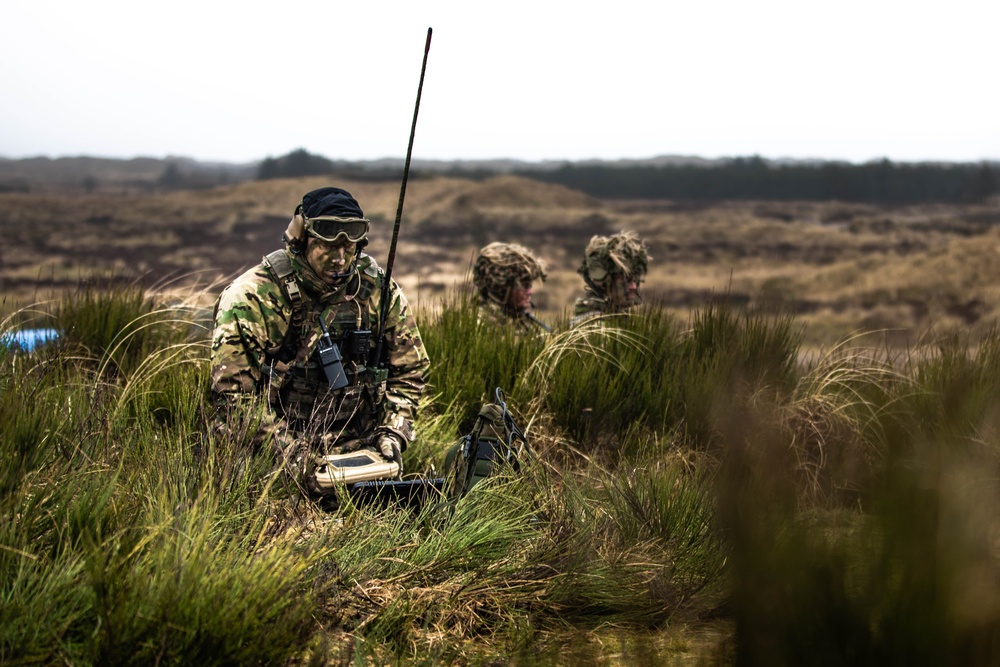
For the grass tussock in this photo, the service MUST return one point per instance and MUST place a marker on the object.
(832, 509)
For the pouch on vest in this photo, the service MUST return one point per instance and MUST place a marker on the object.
(495, 440)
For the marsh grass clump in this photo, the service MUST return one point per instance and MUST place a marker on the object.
(125, 537)
(608, 374)
(471, 358)
(645, 548)
(837, 422)
(116, 325)
(959, 386)
(905, 568)
(524, 555)
(647, 369)
(909, 578)
(729, 356)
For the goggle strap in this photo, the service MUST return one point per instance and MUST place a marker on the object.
(336, 218)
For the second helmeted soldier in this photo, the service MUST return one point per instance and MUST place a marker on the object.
(504, 275)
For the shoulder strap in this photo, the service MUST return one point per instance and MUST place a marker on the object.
(280, 266)
(368, 276)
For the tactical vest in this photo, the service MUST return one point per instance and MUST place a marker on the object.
(298, 388)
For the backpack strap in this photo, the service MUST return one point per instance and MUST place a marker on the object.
(281, 269)
(494, 440)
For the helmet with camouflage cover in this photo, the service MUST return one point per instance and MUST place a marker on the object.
(501, 266)
(621, 254)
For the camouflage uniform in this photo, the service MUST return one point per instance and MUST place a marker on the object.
(500, 268)
(622, 254)
(267, 330)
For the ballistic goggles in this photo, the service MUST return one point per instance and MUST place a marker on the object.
(329, 228)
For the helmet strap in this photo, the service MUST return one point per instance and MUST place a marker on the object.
(599, 291)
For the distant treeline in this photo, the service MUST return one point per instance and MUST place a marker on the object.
(740, 178)
(756, 178)
(708, 180)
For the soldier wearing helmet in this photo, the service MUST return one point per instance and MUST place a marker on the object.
(503, 275)
(276, 327)
(612, 270)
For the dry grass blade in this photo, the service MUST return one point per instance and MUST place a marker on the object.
(589, 339)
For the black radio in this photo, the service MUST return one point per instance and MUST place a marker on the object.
(329, 358)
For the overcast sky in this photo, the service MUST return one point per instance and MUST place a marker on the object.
(229, 81)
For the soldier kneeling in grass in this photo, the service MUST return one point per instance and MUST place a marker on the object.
(300, 331)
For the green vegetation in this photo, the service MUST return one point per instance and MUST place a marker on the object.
(299, 162)
(687, 475)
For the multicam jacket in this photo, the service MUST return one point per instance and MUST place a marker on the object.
(588, 307)
(264, 346)
(522, 322)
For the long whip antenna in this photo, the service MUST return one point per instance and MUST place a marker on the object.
(384, 305)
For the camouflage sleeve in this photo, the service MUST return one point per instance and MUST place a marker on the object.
(250, 316)
(407, 363)
(489, 314)
(587, 308)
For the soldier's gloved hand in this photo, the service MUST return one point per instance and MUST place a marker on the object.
(390, 447)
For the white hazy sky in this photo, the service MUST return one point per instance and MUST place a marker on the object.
(238, 81)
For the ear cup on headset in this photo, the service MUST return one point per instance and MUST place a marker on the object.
(295, 233)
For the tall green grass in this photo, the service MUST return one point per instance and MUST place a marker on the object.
(616, 372)
(651, 370)
(838, 510)
(907, 571)
(118, 544)
(471, 358)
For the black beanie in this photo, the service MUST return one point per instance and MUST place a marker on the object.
(331, 201)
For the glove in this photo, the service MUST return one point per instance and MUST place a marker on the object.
(388, 446)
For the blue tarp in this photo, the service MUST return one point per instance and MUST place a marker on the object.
(28, 339)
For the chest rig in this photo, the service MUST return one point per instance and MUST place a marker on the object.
(298, 386)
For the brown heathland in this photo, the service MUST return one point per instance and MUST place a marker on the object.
(840, 267)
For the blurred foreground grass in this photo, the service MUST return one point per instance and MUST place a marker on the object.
(692, 479)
